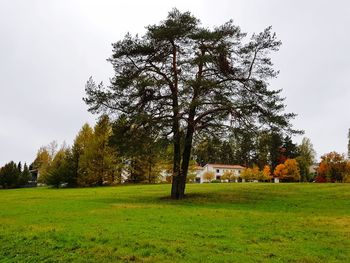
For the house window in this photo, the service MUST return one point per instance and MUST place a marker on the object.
(218, 177)
(217, 171)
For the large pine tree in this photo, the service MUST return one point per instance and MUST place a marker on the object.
(186, 79)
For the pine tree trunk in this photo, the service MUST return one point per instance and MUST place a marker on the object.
(176, 178)
(179, 180)
(149, 172)
(178, 187)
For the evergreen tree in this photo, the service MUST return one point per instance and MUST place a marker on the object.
(290, 149)
(245, 147)
(186, 80)
(140, 149)
(226, 153)
(19, 167)
(9, 175)
(209, 150)
(263, 154)
(276, 143)
(25, 176)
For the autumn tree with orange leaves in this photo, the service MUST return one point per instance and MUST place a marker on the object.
(333, 168)
(288, 171)
(280, 171)
(266, 173)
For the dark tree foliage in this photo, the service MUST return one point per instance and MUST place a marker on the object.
(139, 147)
(209, 150)
(247, 148)
(290, 149)
(12, 176)
(244, 144)
(128, 142)
(25, 176)
(9, 175)
(187, 79)
(276, 142)
(19, 167)
(263, 147)
(70, 168)
(226, 154)
(282, 148)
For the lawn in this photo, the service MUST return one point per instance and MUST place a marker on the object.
(245, 222)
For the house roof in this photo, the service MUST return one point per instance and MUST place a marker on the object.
(217, 165)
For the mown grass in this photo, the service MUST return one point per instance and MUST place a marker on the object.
(246, 222)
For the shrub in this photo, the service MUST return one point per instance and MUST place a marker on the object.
(215, 181)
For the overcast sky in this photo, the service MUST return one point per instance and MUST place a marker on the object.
(48, 50)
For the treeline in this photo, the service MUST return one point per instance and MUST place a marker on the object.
(89, 161)
(107, 154)
(122, 151)
(334, 167)
(13, 176)
(257, 150)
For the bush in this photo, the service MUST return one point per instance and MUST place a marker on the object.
(320, 179)
(216, 181)
(346, 179)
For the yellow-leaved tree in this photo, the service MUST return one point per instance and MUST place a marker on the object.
(293, 172)
(251, 174)
(229, 176)
(208, 176)
(266, 174)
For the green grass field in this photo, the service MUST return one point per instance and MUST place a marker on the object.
(245, 222)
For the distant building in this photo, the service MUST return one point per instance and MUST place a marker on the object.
(313, 168)
(218, 170)
(34, 177)
(199, 171)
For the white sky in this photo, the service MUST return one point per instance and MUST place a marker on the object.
(48, 50)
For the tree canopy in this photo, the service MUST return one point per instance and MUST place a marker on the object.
(185, 79)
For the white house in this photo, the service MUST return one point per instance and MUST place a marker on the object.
(218, 170)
